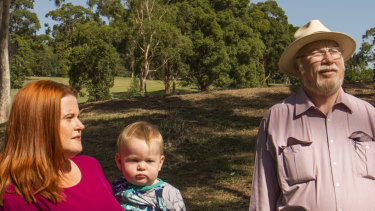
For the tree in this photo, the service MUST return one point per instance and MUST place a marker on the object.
(120, 17)
(46, 61)
(23, 22)
(68, 16)
(23, 25)
(209, 64)
(367, 49)
(357, 69)
(243, 43)
(4, 61)
(22, 61)
(148, 15)
(174, 48)
(4, 58)
(94, 60)
(275, 34)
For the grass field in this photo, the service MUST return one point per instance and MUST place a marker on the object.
(120, 88)
(209, 138)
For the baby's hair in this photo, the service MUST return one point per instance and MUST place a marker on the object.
(141, 130)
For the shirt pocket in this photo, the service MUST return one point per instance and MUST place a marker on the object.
(364, 147)
(298, 161)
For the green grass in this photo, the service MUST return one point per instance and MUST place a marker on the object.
(120, 88)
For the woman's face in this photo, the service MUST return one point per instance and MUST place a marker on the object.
(70, 127)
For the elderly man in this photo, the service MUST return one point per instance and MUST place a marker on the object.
(316, 149)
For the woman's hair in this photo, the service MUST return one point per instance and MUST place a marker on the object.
(143, 131)
(32, 157)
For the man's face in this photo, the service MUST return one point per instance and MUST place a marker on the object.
(320, 68)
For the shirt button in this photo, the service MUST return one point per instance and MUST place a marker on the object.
(337, 184)
(334, 163)
(340, 209)
(367, 147)
(331, 140)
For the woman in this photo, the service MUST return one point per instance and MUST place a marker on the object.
(39, 169)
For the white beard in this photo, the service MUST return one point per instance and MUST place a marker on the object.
(322, 87)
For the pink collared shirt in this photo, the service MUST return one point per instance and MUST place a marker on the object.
(306, 160)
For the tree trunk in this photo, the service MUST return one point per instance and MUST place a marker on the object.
(4, 61)
(167, 85)
(265, 78)
(174, 85)
(167, 78)
(142, 82)
(204, 86)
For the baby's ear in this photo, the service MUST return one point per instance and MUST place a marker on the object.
(118, 161)
(162, 158)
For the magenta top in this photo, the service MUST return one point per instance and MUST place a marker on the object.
(93, 192)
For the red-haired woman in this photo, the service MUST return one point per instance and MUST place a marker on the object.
(39, 169)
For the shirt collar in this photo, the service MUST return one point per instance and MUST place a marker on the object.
(303, 102)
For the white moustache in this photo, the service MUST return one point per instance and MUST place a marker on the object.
(328, 67)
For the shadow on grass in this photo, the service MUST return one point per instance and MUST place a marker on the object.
(209, 140)
(208, 144)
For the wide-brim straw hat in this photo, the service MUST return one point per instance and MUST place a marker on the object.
(310, 32)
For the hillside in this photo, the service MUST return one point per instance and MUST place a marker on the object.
(209, 138)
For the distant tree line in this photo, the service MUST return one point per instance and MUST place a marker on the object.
(205, 43)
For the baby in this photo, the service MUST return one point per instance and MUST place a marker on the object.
(140, 158)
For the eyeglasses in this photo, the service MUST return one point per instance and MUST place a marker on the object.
(318, 55)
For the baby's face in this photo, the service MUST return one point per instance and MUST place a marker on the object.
(139, 162)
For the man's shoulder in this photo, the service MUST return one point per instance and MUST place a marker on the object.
(358, 103)
(283, 105)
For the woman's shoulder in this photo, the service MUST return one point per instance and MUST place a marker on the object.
(86, 162)
(84, 159)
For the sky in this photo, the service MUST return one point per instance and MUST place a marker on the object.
(350, 17)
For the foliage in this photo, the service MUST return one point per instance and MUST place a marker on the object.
(95, 61)
(46, 61)
(243, 43)
(22, 61)
(367, 48)
(23, 24)
(217, 43)
(209, 63)
(172, 51)
(364, 76)
(275, 34)
(357, 69)
(133, 89)
(205, 43)
(68, 17)
(148, 18)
